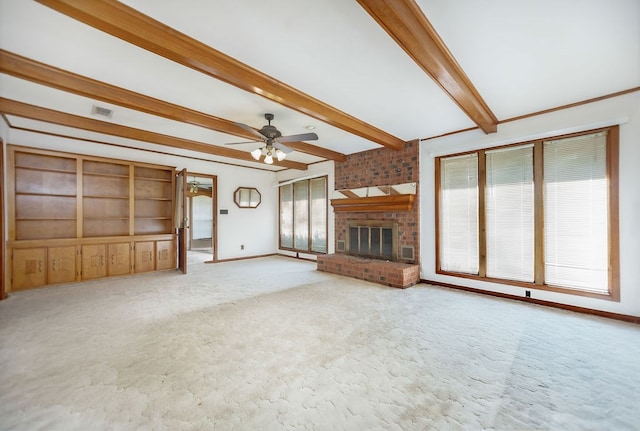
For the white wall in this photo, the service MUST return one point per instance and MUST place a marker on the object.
(253, 228)
(316, 170)
(623, 110)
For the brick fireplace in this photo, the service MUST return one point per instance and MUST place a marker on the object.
(377, 168)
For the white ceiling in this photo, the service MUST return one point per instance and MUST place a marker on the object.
(522, 57)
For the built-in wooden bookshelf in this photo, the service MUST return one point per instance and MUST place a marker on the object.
(45, 196)
(75, 217)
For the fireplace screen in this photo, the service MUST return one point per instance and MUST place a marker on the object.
(372, 239)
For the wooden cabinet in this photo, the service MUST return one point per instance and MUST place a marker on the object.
(165, 257)
(73, 217)
(145, 256)
(94, 261)
(29, 268)
(119, 259)
(61, 267)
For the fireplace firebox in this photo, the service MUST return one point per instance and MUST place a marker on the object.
(376, 239)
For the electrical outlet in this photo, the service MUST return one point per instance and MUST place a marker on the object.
(527, 293)
(242, 247)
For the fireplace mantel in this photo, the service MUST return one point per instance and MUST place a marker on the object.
(387, 203)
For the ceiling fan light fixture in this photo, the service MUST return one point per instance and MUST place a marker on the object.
(281, 155)
(256, 153)
(268, 159)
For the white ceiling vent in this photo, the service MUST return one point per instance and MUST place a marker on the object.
(101, 111)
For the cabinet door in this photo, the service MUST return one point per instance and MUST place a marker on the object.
(119, 259)
(165, 255)
(93, 261)
(62, 264)
(145, 257)
(29, 268)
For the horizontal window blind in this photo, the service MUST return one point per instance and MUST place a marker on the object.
(459, 214)
(509, 213)
(286, 216)
(576, 212)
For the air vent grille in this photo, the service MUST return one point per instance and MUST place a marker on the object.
(101, 111)
(406, 252)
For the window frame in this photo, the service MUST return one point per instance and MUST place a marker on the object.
(613, 233)
(309, 249)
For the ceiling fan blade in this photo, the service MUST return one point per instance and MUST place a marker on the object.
(300, 137)
(244, 142)
(250, 130)
(283, 148)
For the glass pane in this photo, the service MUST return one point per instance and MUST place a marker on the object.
(301, 215)
(576, 213)
(353, 239)
(387, 242)
(286, 216)
(459, 214)
(375, 241)
(319, 215)
(363, 245)
(509, 214)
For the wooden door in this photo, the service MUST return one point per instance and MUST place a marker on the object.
(180, 218)
(29, 268)
(119, 259)
(94, 261)
(144, 256)
(61, 267)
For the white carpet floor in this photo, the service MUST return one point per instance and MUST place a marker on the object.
(272, 344)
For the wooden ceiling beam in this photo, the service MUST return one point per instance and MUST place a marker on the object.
(40, 73)
(130, 25)
(20, 109)
(405, 22)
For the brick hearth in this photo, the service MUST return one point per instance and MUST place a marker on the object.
(393, 274)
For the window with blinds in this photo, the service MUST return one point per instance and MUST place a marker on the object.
(303, 215)
(575, 212)
(509, 213)
(459, 214)
(539, 215)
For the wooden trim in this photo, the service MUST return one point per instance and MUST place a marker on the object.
(44, 74)
(546, 111)
(571, 105)
(13, 107)
(437, 169)
(244, 258)
(538, 213)
(613, 233)
(95, 141)
(143, 31)
(482, 223)
(584, 310)
(2, 221)
(405, 22)
(374, 203)
(613, 157)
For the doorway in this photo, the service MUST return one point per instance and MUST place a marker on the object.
(200, 210)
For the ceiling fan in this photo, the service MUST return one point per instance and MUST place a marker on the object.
(273, 140)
